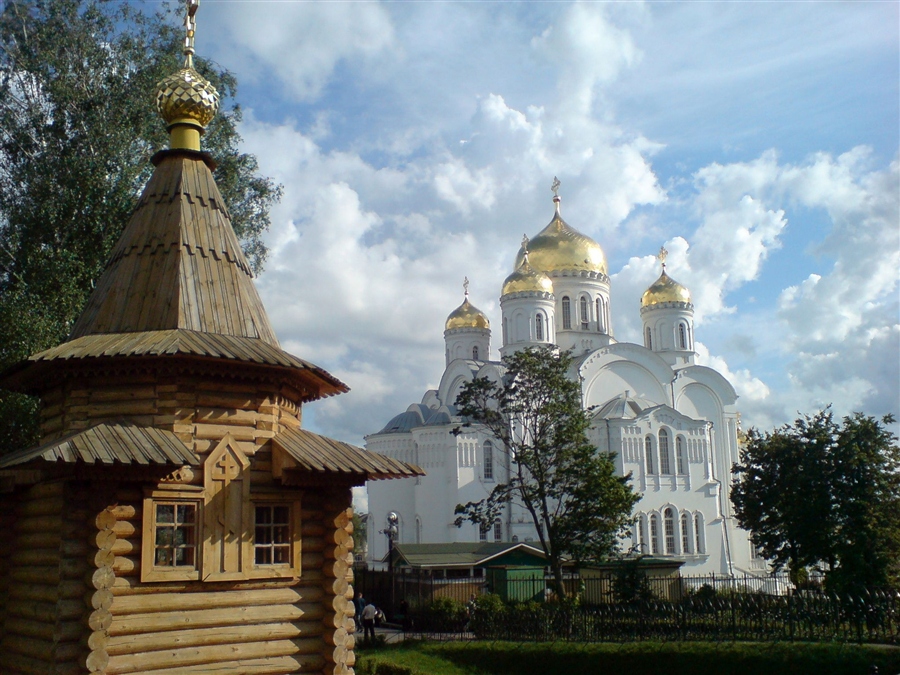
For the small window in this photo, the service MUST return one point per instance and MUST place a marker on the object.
(482, 533)
(488, 460)
(505, 330)
(539, 328)
(648, 340)
(498, 530)
(172, 538)
(665, 463)
(670, 531)
(599, 315)
(682, 337)
(272, 538)
(585, 315)
(648, 455)
(642, 532)
(566, 313)
(679, 455)
(175, 543)
(685, 533)
(475, 353)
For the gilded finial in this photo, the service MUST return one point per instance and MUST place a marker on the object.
(466, 286)
(190, 25)
(186, 100)
(554, 187)
(661, 256)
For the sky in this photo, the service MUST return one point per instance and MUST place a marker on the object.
(417, 142)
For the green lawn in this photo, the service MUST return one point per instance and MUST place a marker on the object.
(636, 658)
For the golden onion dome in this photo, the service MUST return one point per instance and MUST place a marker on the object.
(665, 289)
(186, 100)
(467, 315)
(526, 278)
(561, 247)
(186, 97)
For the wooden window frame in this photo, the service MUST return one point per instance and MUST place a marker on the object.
(149, 570)
(279, 571)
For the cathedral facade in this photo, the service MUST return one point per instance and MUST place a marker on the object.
(672, 424)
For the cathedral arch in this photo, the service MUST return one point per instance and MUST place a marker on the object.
(680, 459)
(584, 312)
(699, 534)
(539, 327)
(566, 313)
(649, 456)
(655, 547)
(475, 353)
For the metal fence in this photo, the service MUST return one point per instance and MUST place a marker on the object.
(669, 608)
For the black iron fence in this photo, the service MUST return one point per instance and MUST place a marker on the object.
(618, 609)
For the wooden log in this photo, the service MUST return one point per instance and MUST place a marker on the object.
(37, 648)
(127, 547)
(103, 578)
(204, 637)
(34, 540)
(97, 662)
(124, 512)
(125, 528)
(45, 490)
(196, 656)
(135, 624)
(74, 547)
(13, 663)
(130, 586)
(126, 566)
(129, 393)
(37, 556)
(45, 575)
(64, 631)
(175, 602)
(48, 505)
(100, 620)
(50, 523)
(279, 665)
(33, 593)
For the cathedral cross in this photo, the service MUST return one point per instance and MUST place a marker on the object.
(555, 186)
(661, 256)
(190, 26)
(466, 285)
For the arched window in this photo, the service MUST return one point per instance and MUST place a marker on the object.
(482, 533)
(682, 336)
(475, 352)
(642, 534)
(685, 533)
(539, 327)
(585, 314)
(488, 460)
(498, 530)
(599, 315)
(505, 330)
(654, 534)
(648, 455)
(648, 341)
(670, 530)
(665, 463)
(698, 533)
(567, 313)
(679, 455)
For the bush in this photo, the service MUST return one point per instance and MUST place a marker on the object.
(444, 615)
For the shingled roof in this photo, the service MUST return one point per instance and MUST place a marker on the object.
(177, 283)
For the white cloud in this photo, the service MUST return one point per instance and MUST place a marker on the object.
(301, 43)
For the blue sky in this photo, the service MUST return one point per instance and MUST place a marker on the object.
(416, 142)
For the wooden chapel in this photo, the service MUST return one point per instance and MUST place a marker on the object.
(176, 518)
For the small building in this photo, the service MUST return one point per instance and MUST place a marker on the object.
(175, 517)
(662, 577)
(463, 559)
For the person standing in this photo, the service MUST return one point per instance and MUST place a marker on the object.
(359, 604)
(368, 622)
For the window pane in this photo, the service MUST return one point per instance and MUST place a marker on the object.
(165, 513)
(282, 515)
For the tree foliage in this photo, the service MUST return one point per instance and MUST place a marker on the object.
(822, 494)
(77, 129)
(578, 505)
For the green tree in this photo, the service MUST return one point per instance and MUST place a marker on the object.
(578, 505)
(77, 130)
(821, 494)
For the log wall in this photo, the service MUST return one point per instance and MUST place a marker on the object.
(266, 626)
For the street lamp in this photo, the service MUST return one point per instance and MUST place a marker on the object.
(391, 531)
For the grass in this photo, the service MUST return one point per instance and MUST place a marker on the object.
(635, 658)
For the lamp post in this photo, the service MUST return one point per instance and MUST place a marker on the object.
(391, 531)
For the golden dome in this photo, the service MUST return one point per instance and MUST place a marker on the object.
(526, 278)
(467, 315)
(186, 97)
(561, 247)
(665, 289)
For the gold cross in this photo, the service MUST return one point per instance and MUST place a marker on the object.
(555, 186)
(663, 254)
(466, 285)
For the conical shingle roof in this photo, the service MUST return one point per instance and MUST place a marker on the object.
(178, 264)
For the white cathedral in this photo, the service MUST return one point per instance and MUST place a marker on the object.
(671, 423)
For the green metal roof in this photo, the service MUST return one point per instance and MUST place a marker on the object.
(465, 554)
